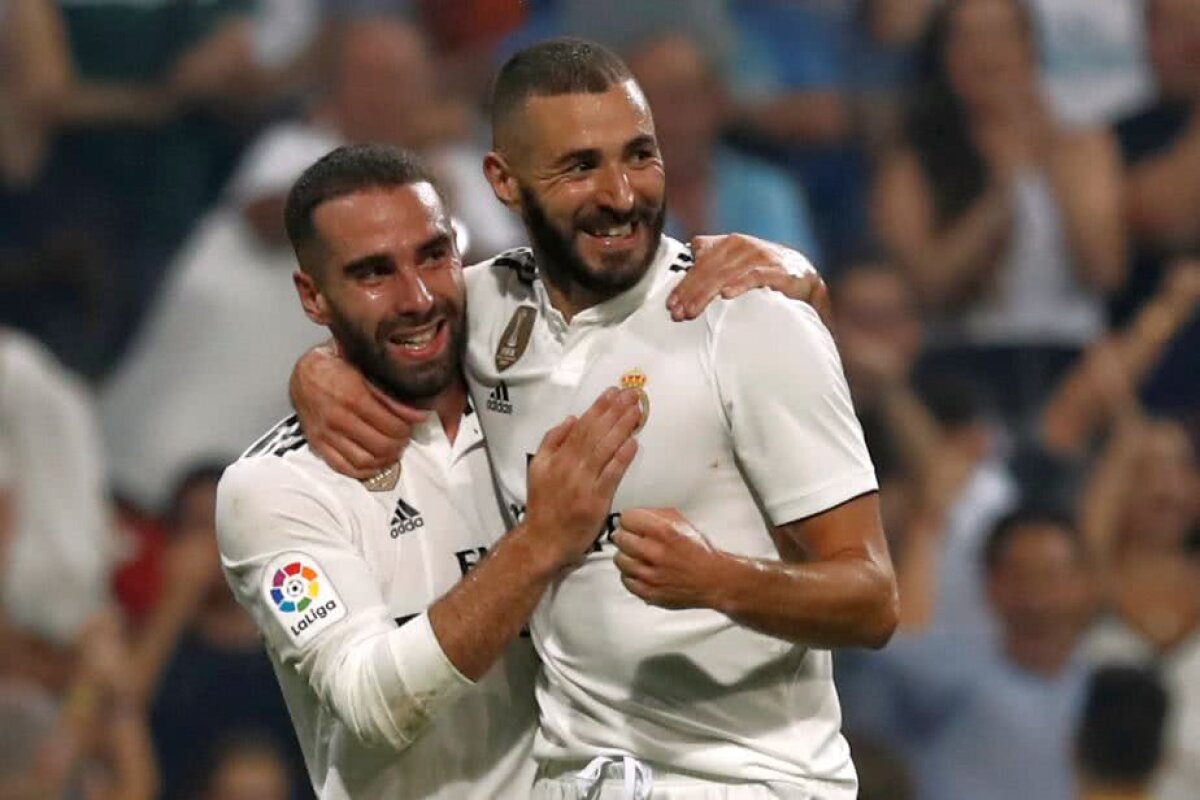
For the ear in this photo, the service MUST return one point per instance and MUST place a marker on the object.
(311, 298)
(502, 179)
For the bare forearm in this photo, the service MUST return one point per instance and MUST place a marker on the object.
(1163, 201)
(477, 619)
(159, 637)
(957, 261)
(837, 603)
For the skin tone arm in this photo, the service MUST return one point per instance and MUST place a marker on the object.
(1103, 384)
(360, 431)
(1086, 175)
(834, 587)
(572, 479)
(1163, 192)
(947, 267)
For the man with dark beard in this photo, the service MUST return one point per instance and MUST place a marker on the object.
(693, 663)
(404, 675)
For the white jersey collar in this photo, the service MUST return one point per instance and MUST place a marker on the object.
(624, 304)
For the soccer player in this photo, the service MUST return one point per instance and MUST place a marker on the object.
(689, 650)
(403, 678)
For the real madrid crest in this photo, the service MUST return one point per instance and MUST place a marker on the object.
(636, 379)
(515, 338)
(384, 481)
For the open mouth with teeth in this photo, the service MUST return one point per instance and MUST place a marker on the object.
(613, 236)
(419, 343)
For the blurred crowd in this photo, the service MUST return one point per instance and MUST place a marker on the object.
(1004, 196)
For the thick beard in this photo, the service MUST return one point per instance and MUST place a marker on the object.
(414, 385)
(560, 262)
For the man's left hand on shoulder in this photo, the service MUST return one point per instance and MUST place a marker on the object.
(730, 265)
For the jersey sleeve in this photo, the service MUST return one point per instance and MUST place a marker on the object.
(288, 554)
(780, 383)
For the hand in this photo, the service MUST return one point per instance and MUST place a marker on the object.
(357, 428)
(576, 471)
(215, 66)
(1181, 286)
(732, 265)
(667, 562)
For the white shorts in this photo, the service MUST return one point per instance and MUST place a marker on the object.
(631, 779)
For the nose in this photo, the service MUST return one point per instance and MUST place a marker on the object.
(615, 190)
(412, 297)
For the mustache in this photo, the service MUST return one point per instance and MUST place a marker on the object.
(608, 217)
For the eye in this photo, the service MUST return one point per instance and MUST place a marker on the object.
(581, 166)
(435, 256)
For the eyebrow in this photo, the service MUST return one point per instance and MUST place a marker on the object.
(640, 141)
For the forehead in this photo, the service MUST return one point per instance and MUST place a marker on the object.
(563, 123)
(984, 16)
(380, 218)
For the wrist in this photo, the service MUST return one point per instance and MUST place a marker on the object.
(734, 573)
(541, 549)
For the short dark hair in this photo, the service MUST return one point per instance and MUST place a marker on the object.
(343, 171)
(1011, 524)
(1120, 737)
(564, 65)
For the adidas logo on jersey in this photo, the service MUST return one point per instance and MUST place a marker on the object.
(405, 519)
(498, 400)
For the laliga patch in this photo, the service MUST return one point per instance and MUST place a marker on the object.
(636, 379)
(301, 597)
(515, 338)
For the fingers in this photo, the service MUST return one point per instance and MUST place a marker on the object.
(358, 462)
(633, 568)
(614, 470)
(821, 302)
(555, 437)
(410, 415)
(640, 548)
(603, 428)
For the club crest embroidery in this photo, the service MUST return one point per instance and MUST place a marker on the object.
(636, 379)
(384, 481)
(516, 337)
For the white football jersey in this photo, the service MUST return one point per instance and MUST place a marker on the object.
(748, 424)
(326, 566)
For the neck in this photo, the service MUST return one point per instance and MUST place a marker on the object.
(567, 296)
(1048, 664)
(449, 404)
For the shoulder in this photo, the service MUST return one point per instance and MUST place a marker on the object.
(767, 319)
(280, 463)
(510, 272)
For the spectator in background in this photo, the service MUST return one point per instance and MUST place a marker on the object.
(56, 537)
(1141, 515)
(95, 745)
(996, 721)
(137, 144)
(1119, 742)
(247, 767)
(1008, 225)
(952, 483)
(199, 655)
(1161, 150)
(713, 187)
(197, 358)
(383, 86)
(1094, 58)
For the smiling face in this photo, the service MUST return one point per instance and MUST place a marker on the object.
(584, 172)
(383, 275)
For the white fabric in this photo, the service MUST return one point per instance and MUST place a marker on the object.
(378, 708)
(209, 369)
(746, 403)
(1112, 641)
(276, 159)
(1094, 58)
(1036, 298)
(63, 546)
